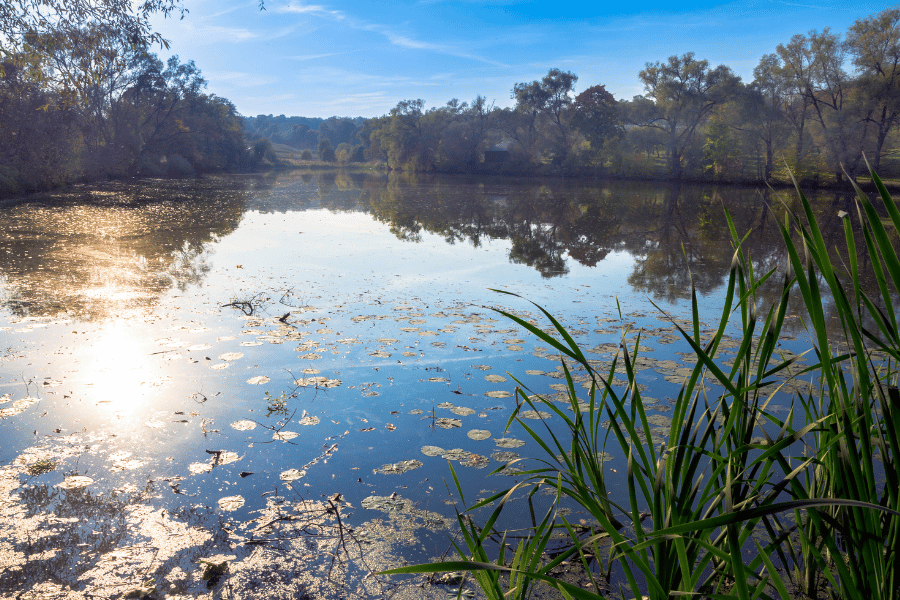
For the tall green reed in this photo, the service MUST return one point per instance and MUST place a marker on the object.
(717, 484)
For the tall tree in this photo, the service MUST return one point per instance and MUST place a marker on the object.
(874, 45)
(596, 115)
(685, 91)
(550, 97)
(764, 107)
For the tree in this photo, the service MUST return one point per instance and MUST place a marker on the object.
(596, 115)
(685, 91)
(764, 104)
(326, 151)
(131, 20)
(816, 64)
(874, 45)
(550, 98)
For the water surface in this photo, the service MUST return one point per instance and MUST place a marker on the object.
(242, 369)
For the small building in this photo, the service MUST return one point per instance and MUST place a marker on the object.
(497, 155)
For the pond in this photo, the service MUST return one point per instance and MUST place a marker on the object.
(253, 385)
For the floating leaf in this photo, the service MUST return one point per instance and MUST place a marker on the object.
(380, 354)
(308, 420)
(399, 468)
(292, 475)
(243, 425)
(250, 344)
(495, 378)
(284, 435)
(432, 451)
(482, 367)
(508, 443)
(75, 482)
(498, 394)
(534, 414)
(447, 405)
(479, 434)
(219, 366)
(476, 461)
(445, 423)
(231, 356)
(258, 380)
(504, 456)
(200, 467)
(438, 379)
(230, 503)
(462, 411)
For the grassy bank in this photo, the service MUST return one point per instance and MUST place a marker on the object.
(733, 500)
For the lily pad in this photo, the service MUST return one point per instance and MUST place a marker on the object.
(292, 475)
(534, 414)
(399, 468)
(508, 443)
(200, 467)
(231, 356)
(76, 482)
(504, 456)
(498, 394)
(219, 366)
(445, 423)
(243, 425)
(284, 435)
(258, 380)
(432, 451)
(462, 411)
(495, 378)
(308, 420)
(476, 461)
(230, 503)
(479, 434)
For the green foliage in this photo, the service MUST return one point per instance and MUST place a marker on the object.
(596, 115)
(326, 151)
(708, 499)
(306, 155)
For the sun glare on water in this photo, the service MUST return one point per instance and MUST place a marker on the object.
(116, 369)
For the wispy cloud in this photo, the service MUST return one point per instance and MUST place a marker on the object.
(313, 56)
(395, 38)
(312, 9)
(218, 34)
(242, 79)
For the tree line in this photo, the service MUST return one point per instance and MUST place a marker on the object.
(91, 101)
(814, 106)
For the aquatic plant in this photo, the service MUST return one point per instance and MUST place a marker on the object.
(730, 501)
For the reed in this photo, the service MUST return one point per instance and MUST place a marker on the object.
(720, 506)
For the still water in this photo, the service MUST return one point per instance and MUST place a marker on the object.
(271, 374)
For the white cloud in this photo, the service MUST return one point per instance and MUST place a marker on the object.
(311, 9)
(313, 56)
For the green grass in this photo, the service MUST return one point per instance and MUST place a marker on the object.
(720, 507)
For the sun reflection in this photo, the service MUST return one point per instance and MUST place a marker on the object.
(116, 368)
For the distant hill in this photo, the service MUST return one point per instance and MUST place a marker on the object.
(304, 132)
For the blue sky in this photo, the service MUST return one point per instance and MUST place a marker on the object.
(359, 58)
